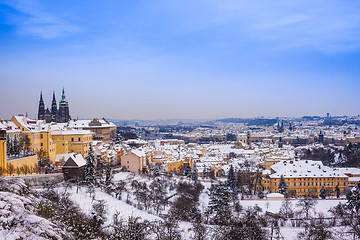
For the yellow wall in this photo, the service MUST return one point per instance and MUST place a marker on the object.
(303, 185)
(3, 166)
(177, 166)
(43, 141)
(62, 146)
(77, 143)
(18, 163)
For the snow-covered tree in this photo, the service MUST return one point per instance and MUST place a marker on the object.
(187, 171)
(219, 204)
(108, 176)
(89, 171)
(323, 192)
(194, 173)
(231, 178)
(283, 187)
(205, 172)
(158, 195)
(98, 213)
(337, 190)
(156, 170)
(353, 197)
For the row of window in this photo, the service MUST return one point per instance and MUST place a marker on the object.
(312, 179)
(312, 184)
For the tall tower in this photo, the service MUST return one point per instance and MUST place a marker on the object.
(321, 137)
(3, 163)
(41, 112)
(54, 110)
(64, 115)
(248, 139)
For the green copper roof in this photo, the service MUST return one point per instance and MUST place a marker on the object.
(63, 99)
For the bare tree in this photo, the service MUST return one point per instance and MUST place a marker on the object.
(10, 169)
(317, 229)
(306, 204)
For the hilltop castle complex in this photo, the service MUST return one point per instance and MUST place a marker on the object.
(60, 115)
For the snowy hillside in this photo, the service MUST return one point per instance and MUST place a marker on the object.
(146, 207)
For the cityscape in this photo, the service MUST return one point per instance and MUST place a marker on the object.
(183, 120)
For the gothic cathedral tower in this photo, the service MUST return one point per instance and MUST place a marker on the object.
(41, 112)
(64, 115)
(54, 110)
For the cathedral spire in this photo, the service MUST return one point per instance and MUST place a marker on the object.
(64, 115)
(41, 112)
(63, 98)
(54, 110)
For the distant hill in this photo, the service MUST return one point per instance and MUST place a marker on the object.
(251, 121)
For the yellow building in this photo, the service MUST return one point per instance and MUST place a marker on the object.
(14, 165)
(77, 141)
(3, 164)
(39, 134)
(43, 141)
(178, 166)
(306, 177)
(53, 142)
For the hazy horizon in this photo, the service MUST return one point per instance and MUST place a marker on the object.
(150, 60)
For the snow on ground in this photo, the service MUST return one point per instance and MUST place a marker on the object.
(122, 176)
(273, 206)
(290, 233)
(113, 205)
(17, 214)
(85, 202)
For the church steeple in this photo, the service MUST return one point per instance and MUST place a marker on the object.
(63, 99)
(54, 110)
(64, 115)
(41, 112)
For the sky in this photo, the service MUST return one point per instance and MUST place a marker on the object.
(185, 59)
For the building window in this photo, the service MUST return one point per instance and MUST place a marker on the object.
(41, 136)
(79, 139)
(72, 139)
(41, 144)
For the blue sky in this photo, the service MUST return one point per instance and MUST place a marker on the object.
(181, 59)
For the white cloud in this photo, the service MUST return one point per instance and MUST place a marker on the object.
(328, 26)
(38, 22)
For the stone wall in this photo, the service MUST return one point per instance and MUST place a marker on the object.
(39, 180)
